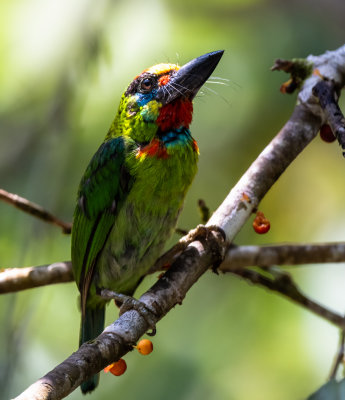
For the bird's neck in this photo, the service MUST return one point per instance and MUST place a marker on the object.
(175, 115)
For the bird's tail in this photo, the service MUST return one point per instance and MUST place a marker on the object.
(92, 325)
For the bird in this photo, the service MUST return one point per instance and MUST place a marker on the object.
(133, 189)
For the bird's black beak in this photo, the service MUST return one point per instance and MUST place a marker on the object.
(187, 81)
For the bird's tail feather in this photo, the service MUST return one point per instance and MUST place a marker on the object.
(92, 325)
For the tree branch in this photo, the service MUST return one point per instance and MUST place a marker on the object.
(34, 209)
(236, 257)
(170, 290)
(16, 279)
(287, 254)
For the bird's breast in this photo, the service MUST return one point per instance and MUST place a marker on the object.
(148, 217)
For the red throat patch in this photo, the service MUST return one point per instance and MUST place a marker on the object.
(176, 114)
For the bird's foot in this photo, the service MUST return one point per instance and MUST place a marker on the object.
(204, 232)
(127, 303)
(216, 235)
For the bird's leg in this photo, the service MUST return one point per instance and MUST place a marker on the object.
(128, 303)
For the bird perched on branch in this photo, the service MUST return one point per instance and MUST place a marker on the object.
(133, 189)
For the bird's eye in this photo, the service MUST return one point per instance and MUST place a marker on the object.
(146, 85)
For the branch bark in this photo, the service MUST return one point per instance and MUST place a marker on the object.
(198, 255)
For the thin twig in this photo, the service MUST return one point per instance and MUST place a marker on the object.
(283, 284)
(181, 231)
(339, 358)
(204, 211)
(169, 256)
(34, 209)
(298, 68)
(204, 217)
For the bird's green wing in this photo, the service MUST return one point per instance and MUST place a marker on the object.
(102, 190)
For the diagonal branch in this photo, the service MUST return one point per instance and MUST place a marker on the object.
(34, 209)
(282, 283)
(170, 290)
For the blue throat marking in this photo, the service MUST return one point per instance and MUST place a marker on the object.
(180, 136)
(143, 98)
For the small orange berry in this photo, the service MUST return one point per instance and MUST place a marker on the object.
(144, 346)
(117, 368)
(261, 224)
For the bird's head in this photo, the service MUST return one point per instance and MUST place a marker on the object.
(160, 98)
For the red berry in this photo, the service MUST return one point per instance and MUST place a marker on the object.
(117, 368)
(326, 134)
(261, 224)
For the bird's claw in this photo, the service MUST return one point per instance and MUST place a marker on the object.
(218, 237)
(204, 232)
(128, 303)
(131, 303)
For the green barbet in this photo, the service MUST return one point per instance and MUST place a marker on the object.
(133, 189)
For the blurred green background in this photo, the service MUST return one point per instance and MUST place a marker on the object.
(64, 65)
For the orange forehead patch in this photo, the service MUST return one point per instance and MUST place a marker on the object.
(160, 69)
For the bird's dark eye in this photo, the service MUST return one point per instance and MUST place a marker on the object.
(145, 85)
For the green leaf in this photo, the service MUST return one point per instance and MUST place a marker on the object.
(332, 390)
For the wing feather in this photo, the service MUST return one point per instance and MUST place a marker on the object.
(102, 191)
